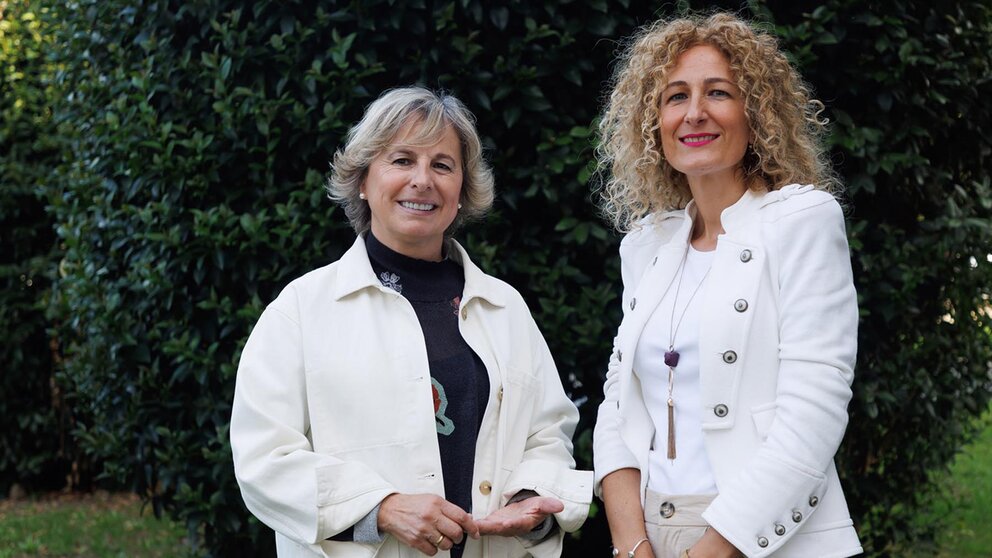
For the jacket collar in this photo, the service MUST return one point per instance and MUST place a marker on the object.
(355, 273)
(741, 212)
(733, 218)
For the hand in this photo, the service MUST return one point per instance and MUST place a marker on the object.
(713, 545)
(519, 517)
(420, 520)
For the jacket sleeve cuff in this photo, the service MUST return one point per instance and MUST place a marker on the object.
(344, 490)
(785, 505)
(609, 451)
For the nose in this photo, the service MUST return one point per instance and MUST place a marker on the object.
(695, 111)
(422, 176)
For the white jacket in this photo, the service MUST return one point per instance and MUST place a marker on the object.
(778, 341)
(333, 411)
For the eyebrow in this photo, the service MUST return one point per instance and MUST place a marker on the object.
(402, 150)
(707, 81)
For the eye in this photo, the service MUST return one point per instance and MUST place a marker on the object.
(442, 166)
(401, 161)
(677, 97)
(719, 93)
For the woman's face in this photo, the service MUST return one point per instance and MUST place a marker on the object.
(413, 192)
(704, 128)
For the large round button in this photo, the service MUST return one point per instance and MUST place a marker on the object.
(762, 542)
(667, 509)
(813, 501)
(740, 305)
(779, 529)
(720, 410)
(745, 256)
(485, 487)
(797, 516)
(729, 357)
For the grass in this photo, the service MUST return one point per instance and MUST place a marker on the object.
(84, 526)
(967, 501)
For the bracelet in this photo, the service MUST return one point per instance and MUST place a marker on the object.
(630, 553)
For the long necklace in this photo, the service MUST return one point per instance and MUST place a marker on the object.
(671, 355)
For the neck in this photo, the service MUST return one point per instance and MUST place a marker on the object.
(427, 249)
(712, 195)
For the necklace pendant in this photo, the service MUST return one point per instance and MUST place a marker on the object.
(671, 430)
(671, 358)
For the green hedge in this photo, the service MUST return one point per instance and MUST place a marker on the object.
(908, 88)
(31, 433)
(198, 135)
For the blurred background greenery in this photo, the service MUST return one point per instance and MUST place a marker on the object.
(162, 166)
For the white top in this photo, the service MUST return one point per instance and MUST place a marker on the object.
(689, 472)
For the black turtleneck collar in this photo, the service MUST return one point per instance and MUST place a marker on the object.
(414, 279)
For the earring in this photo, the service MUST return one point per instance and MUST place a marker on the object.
(459, 206)
(361, 195)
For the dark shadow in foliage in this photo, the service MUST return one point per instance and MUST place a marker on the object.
(33, 443)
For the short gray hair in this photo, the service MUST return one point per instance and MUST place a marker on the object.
(377, 128)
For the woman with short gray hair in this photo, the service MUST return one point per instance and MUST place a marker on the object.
(400, 401)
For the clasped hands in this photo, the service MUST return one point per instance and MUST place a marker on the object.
(430, 523)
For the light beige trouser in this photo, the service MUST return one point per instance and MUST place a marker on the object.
(683, 526)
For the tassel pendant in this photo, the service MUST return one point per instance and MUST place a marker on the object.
(671, 429)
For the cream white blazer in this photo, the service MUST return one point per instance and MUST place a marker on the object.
(333, 411)
(778, 342)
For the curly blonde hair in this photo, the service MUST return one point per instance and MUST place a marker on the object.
(785, 122)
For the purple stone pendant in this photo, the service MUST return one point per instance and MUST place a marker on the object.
(671, 358)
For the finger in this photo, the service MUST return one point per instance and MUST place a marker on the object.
(449, 529)
(546, 505)
(446, 543)
(462, 518)
(425, 545)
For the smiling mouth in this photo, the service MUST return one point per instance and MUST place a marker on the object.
(690, 140)
(418, 206)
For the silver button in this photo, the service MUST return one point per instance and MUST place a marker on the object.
(813, 501)
(762, 542)
(740, 305)
(465, 312)
(633, 303)
(720, 410)
(667, 509)
(745, 256)
(729, 357)
(797, 516)
(779, 529)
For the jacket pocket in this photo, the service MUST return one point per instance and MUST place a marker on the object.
(358, 405)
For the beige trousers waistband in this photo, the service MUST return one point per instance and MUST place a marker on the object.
(674, 522)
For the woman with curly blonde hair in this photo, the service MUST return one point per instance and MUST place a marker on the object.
(727, 390)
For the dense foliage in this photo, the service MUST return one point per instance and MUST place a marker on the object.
(908, 90)
(196, 139)
(31, 433)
